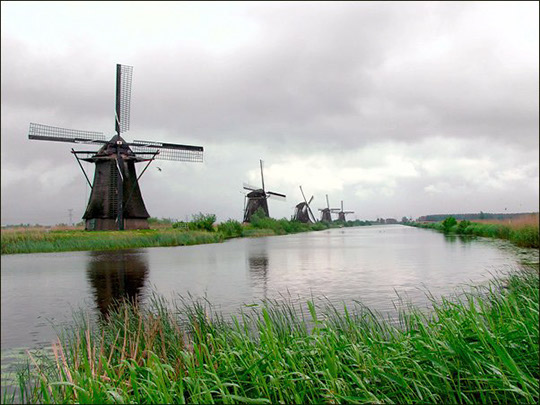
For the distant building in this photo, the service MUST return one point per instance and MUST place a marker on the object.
(391, 221)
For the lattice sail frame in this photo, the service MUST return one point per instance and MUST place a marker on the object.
(169, 151)
(50, 133)
(124, 97)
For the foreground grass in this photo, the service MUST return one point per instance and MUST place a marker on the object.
(479, 348)
(523, 234)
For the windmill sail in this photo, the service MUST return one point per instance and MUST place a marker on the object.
(42, 132)
(169, 151)
(124, 75)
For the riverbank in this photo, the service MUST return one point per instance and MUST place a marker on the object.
(522, 234)
(42, 240)
(480, 347)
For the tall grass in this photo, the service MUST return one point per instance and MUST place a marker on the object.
(523, 233)
(479, 348)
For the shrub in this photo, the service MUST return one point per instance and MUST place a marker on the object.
(230, 228)
(463, 226)
(448, 224)
(203, 222)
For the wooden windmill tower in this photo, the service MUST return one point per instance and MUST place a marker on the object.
(341, 213)
(257, 197)
(326, 213)
(302, 211)
(115, 200)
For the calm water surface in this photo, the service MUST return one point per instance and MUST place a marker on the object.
(366, 264)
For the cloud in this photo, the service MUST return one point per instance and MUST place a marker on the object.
(378, 104)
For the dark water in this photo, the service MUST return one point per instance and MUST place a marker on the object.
(368, 264)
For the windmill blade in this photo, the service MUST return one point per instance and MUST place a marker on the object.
(310, 200)
(276, 196)
(42, 132)
(169, 151)
(250, 187)
(302, 191)
(124, 76)
(327, 203)
(348, 212)
(262, 176)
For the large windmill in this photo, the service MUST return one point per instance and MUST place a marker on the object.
(341, 213)
(257, 197)
(302, 211)
(115, 200)
(326, 213)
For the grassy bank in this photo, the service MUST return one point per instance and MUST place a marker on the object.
(198, 231)
(523, 233)
(34, 241)
(480, 348)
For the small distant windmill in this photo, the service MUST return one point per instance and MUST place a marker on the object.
(326, 213)
(341, 213)
(302, 211)
(115, 200)
(257, 198)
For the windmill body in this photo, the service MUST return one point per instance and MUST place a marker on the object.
(103, 204)
(341, 213)
(116, 200)
(326, 213)
(257, 199)
(302, 211)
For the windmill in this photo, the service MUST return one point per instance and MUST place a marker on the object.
(115, 200)
(302, 211)
(326, 213)
(257, 197)
(341, 213)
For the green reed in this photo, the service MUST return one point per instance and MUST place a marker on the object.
(479, 347)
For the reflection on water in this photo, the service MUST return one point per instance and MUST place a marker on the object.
(464, 239)
(116, 276)
(258, 266)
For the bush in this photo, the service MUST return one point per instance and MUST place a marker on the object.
(230, 228)
(199, 222)
(202, 222)
(464, 227)
(448, 224)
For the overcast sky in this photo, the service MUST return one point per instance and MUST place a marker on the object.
(398, 109)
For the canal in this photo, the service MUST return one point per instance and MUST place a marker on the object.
(371, 265)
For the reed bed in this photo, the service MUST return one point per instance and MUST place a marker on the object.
(523, 233)
(481, 347)
(529, 220)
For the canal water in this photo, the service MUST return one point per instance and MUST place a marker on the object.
(371, 265)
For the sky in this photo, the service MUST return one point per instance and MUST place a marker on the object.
(395, 108)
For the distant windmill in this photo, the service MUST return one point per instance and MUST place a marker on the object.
(326, 213)
(257, 198)
(341, 213)
(302, 211)
(115, 200)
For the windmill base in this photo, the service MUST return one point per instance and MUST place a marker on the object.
(106, 224)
